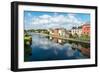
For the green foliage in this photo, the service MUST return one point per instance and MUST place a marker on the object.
(85, 37)
(75, 36)
(82, 37)
(39, 31)
(70, 35)
(27, 39)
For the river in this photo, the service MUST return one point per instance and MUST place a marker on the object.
(47, 48)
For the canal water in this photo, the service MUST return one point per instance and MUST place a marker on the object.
(46, 48)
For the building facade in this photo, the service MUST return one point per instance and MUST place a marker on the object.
(86, 29)
(77, 31)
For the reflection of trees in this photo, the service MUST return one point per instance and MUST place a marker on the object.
(27, 52)
(63, 41)
(83, 47)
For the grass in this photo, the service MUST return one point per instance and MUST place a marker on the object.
(27, 47)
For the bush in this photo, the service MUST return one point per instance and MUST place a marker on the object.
(85, 37)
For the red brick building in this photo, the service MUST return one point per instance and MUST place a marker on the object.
(86, 29)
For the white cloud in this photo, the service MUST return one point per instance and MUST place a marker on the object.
(29, 14)
(45, 16)
(72, 19)
(48, 21)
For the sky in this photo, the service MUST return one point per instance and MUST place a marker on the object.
(47, 20)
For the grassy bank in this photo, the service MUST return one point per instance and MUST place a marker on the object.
(27, 47)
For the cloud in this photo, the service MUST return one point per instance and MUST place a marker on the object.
(72, 19)
(45, 16)
(55, 21)
(29, 14)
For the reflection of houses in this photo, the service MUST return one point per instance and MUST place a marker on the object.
(77, 31)
(57, 40)
(86, 29)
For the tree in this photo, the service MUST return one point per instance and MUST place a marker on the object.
(75, 35)
(85, 37)
(70, 35)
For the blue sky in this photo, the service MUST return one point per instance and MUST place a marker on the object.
(46, 20)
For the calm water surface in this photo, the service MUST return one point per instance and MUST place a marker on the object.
(47, 48)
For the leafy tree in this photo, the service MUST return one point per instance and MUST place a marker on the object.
(70, 35)
(75, 35)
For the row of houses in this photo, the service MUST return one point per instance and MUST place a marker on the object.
(62, 32)
(59, 32)
(82, 30)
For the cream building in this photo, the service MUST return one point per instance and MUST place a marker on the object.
(77, 31)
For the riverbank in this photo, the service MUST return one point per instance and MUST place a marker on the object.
(27, 47)
(27, 39)
(69, 39)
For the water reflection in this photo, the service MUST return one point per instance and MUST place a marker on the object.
(47, 48)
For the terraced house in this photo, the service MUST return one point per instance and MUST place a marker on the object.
(81, 30)
(77, 31)
(86, 29)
